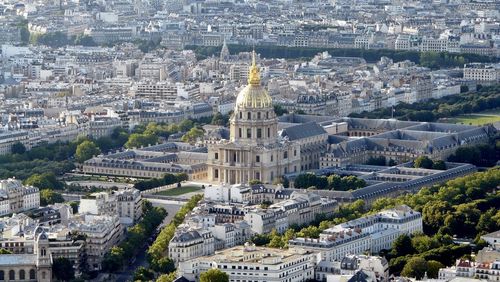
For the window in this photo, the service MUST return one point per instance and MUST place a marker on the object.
(294, 153)
(259, 133)
(272, 158)
(2, 275)
(12, 275)
(241, 115)
(249, 115)
(267, 114)
(257, 159)
(239, 132)
(285, 155)
(234, 157)
(268, 132)
(22, 274)
(216, 173)
(216, 156)
(257, 175)
(43, 274)
(258, 115)
(249, 133)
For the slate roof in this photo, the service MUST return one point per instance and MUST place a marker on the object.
(17, 259)
(304, 130)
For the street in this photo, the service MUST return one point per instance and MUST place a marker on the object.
(171, 207)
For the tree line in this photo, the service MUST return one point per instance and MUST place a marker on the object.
(428, 59)
(167, 179)
(485, 98)
(330, 182)
(157, 251)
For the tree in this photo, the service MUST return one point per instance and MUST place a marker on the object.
(415, 267)
(143, 274)
(44, 181)
(63, 269)
(53, 39)
(18, 148)
(85, 40)
(192, 135)
(167, 277)
(218, 119)
(164, 265)
(376, 161)
(214, 275)
(254, 182)
(433, 268)
(402, 246)
(49, 197)
(137, 140)
(86, 150)
(4, 251)
(439, 165)
(74, 207)
(423, 162)
(279, 110)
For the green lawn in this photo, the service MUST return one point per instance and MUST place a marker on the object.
(179, 191)
(475, 119)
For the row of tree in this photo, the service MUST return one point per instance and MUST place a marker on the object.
(331, 182)
(157, 251)
(137, 235)
(60, 39)
(426, 162)
(428, 59)
(485, 98)
(167, 179)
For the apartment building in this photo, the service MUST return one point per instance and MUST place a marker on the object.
(365, 234)
(189, 244)
(482, 72)
(15, 197)
(102, 233)
(126, 203)
(250, 263)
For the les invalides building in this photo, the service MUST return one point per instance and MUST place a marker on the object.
(254, 151)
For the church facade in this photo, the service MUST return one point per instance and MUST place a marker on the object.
(254, 150)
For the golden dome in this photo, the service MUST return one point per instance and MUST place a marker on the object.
(253, 95)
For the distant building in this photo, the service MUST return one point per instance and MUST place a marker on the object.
(15, 197)
(489, 73)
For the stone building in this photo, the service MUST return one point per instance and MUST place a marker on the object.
(254, 151)
(29, 267)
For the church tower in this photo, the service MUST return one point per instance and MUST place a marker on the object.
(224, 52)
(43, 256)
(254, 151)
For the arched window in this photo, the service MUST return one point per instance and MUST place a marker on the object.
(12, 275)
(22, 274)
(32, 274)
(2, 275)
(44, 252)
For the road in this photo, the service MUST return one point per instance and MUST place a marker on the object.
(171, 207)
